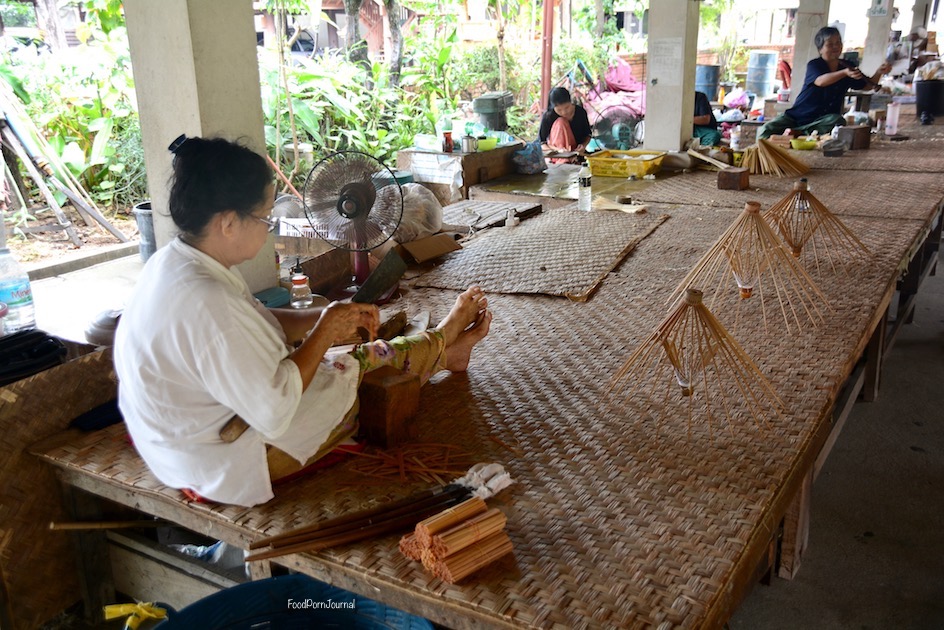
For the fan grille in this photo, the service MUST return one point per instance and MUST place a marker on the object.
(352, 201)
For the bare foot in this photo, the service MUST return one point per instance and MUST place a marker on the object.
(467, 311)
(459, 352)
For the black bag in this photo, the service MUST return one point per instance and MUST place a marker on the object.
(28, 352)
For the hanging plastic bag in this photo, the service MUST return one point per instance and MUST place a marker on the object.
(530, 160)
(422, 214)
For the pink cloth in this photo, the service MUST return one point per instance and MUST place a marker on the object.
(619, 77)
(561, 137)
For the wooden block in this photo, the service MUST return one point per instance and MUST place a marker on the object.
(749, 132)
(735, 178)
(389, 399)
(855, 136)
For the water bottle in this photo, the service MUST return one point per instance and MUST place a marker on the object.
(301, 296)
(584, 196)
(16, 293)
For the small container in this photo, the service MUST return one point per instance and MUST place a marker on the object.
(584, 191)
(891, 118)
(469, 144)
(301, 296)
(447, 142)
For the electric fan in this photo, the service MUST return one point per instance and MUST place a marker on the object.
(353, 202)
(614, 129)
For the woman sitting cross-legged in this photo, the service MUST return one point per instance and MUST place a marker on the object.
(564, 125)
(194, 348)
(818, 107)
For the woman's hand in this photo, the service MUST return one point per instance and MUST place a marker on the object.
(338, 322)
(341, 321)
(854, 73)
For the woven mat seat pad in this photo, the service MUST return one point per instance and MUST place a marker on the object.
(565, 252)
(478, 212)
(615, 522)
(909, 156)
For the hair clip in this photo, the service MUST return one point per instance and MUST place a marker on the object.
(177, 143)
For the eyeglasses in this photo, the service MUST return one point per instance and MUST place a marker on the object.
(269, 221)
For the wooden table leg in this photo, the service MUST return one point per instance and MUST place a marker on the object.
(874, 357)
(796, 530)
(91, 546)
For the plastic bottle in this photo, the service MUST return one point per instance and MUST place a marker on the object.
(584, 194)
(736, 138)
(16, 293)
(301, 296)
(892, 112)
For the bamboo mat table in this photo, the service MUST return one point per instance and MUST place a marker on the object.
(616, 520)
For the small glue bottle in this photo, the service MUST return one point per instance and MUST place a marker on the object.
(301, 296)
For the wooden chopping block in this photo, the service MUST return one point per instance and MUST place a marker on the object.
(855, 136)
(735, 178)
(389, 399)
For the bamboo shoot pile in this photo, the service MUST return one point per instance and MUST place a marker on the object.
(748, 254)
(769, 159)
(459, 541)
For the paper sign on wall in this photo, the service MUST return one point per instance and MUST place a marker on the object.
(665, 61)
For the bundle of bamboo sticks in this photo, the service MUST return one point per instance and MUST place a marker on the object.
(378, 521)
(769, 159)
(459, 541)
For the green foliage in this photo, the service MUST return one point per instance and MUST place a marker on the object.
(18, 14)
(565, 61)
(83, 101)
(334, 111)
(586, 19)
(102, 16)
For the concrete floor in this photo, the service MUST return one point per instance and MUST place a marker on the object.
(876, 550)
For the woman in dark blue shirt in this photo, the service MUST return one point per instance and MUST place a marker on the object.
(819, 105)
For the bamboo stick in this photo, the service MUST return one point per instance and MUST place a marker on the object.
(447, 519)
(708, 159)
(83, 525)
(467, 533)
(749, 252)
(462, 564)
(384, 527)
(803, 220)
(411, 548)
(691, 351)
(365, 516)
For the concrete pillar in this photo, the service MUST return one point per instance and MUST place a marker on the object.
(195, 72)
(670, 80)
(811, 16)
(920, 16)
(876, 41)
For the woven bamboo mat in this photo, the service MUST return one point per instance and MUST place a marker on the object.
(616, 521)
(909, 156)
(893, 195)
(481, 213)
(565, 252)
(38, 565)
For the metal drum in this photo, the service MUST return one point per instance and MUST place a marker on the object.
(761, 72)
(706, 80)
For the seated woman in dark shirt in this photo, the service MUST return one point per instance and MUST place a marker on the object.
(704, 124)
(819, 104)
(564, 125)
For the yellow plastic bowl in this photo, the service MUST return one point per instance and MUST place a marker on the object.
(487, 144)
(803, 145)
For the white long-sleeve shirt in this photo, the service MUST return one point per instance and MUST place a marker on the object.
(193, 348)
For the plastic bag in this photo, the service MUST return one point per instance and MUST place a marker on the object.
(530, 160)
(736, 98)
(422, 214)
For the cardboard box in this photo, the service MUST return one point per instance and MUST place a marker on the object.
(430, 247)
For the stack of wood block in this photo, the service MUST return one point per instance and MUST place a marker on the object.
(459, 541)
